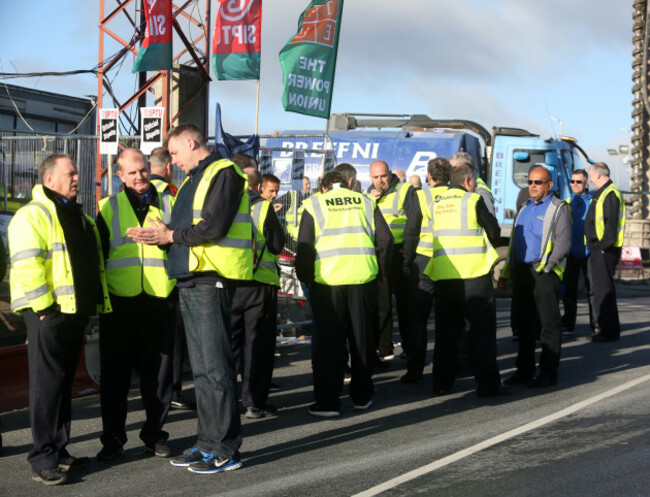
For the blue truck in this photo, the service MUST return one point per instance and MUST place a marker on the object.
(502, 157)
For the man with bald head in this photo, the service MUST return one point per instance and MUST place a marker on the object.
(394, 199)
(139, 332)
(539, 244)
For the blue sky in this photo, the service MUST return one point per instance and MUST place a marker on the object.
(497, 62)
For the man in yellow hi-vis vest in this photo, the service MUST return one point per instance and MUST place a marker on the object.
(604, 230)
(418, 250)
(255, 303)
(464, 234)
(394, 199)
(139, 333)
(539, 244)
(57, 282)
(343, 244)
(210, 240)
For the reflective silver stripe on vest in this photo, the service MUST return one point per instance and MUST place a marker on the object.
(460, 251)
(63, 291)
(257, 213)
(268, 265)
(370, 214)
(459, 232)
(166, 198)
(400, 226)
(425, 245)
(235, 243)
(28, 254)
(324, 254)
(118, 240)
(426, 229)
(36, 293)
(134, 262)
(346, 230)
(240, 217)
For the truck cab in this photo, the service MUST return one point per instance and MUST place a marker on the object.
(513, 152)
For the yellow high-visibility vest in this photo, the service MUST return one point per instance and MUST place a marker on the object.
(600, 220)
(344, 226)
(461, 249)
(426, 198)
(392, 207)
(133, 268)
(41, 271)
(267, 267)
(232, 255)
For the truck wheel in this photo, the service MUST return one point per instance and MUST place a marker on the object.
(496, 273)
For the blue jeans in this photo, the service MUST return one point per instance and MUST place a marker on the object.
(206, 316)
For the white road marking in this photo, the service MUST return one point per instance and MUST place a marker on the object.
(416, 473)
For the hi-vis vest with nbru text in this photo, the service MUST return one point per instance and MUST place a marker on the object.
(344, 225)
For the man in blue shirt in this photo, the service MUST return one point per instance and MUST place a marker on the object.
(577, 259)
(540, 241)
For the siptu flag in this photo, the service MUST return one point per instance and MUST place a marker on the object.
(156, 48)
(237, 46)
(308, 59)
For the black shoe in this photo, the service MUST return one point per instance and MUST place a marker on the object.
(109, 452)
(190, 456)
(499, 391)
(543, 380)
(182, 405)
(379, 364)
(71, 463)
(50, 476)
(404, 356)
(601, 337)
(261, 412)
(317, 410)
(441, 392)
(274, 387)
(410, 377)
(159, 449)
(516, 378)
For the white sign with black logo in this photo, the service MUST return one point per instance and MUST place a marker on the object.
(151, 128)
(108, 131)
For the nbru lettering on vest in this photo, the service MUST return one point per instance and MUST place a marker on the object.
(342, 201)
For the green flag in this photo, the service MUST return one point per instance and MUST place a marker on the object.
(308, 59)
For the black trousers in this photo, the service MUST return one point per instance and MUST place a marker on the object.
(53, 348)
(178, 355)
(419, 303)
(570, 300)
(343, 312)
(535, 298)
(396, 284)
(602, 267)
(459, 303)
(139, 333)
(254, 328)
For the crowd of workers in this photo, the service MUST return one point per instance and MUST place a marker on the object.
(197, 268)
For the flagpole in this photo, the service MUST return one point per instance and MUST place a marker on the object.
(329, 109)
(322, 164)
(257, 105)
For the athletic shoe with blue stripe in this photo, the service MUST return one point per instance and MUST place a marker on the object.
(212, 463)
(190, 456)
